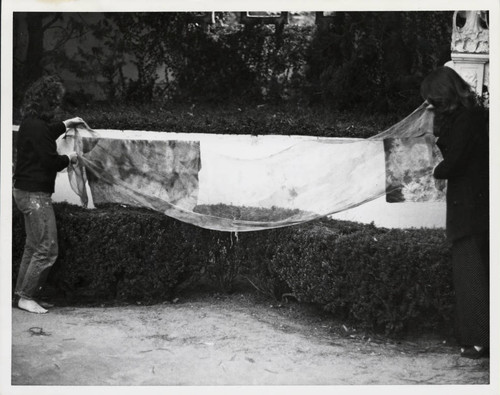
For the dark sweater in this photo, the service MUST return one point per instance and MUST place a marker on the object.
(464, 145)
(37, 159)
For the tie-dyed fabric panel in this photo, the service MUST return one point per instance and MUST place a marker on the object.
(245, 183)
(409, 164)
(165, 170)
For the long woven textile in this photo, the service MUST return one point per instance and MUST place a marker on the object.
(246, 183)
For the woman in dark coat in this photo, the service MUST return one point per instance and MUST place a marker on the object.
(37, 165)
(461, 127)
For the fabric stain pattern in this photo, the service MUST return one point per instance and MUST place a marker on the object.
(165, 170)
(409, 165)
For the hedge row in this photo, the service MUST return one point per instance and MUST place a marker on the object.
(387, 280)
(115, 253)
(234, 119)
(390, 280)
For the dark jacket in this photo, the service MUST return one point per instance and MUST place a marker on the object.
(463, 141)
(37, 161)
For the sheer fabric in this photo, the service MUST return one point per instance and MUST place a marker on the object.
(247, 183)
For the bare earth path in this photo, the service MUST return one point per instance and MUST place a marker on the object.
(217, 342)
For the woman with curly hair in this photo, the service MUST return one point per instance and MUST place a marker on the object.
(34, 177)
(461, 126)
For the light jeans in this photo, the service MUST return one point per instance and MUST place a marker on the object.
(41, 248)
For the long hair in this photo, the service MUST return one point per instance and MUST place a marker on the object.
(42, 98)
(447, 91)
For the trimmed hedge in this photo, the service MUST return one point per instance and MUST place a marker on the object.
(117, 253)
(233, 119)
(387, 280)
(390, 280)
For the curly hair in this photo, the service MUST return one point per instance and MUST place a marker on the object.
(447, 91)
(42, 98)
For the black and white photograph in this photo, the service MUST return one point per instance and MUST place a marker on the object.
(280, 197)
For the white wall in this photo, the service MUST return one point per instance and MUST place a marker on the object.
(383, 214)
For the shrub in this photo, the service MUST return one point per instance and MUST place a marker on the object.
(387, 280)
(224, 262)
(377, 60)
(233, 119)
(371, 60)
(118, 253)
(259, 250)
(390, 280)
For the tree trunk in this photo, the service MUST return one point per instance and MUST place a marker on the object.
(33, 65)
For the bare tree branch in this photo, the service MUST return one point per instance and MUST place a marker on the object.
(69, 35)
(56, 17)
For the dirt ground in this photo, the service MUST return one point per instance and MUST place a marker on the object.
(221, 340)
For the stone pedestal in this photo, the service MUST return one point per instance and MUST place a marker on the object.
(470, 49)
(473, 68)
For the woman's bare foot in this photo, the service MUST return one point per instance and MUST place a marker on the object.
(31, 306)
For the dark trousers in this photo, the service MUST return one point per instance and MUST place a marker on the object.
(470, 258)
(40, 249)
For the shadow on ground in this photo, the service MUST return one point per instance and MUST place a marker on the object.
(221, 340)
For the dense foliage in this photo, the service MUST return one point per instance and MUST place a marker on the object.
(369, 60)
(376, 60)
(387, 280)
(116, 253)
(264, 119)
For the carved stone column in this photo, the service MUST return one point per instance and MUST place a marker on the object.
(470, 49)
